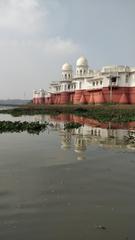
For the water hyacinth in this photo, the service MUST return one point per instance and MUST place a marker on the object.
(72, 125)
(17, 126)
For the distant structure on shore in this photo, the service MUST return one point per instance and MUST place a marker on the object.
(110, 84)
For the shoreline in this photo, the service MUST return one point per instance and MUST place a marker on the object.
(102, 113)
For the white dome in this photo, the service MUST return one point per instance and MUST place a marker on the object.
(66, 67)
(82, 61)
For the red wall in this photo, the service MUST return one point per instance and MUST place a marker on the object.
(119, 95)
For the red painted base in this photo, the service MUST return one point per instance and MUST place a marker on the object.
(122, 95)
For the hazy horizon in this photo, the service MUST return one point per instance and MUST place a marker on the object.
(38, 36)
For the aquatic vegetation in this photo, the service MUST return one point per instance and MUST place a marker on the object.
(17, 126)
(72, 125)
(130, 139)
(102, 113)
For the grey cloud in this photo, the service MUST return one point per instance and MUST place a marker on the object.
(38, 36)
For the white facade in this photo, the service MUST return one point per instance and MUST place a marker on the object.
(88, 79)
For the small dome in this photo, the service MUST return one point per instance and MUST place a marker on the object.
(82, 61)
(66, 67)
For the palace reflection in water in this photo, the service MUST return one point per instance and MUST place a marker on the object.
(91, 133)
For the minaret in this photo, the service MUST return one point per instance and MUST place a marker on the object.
(65, 83)
(81, 66)
(66, 72)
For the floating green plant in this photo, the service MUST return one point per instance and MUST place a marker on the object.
(72, 125)
(17, 126)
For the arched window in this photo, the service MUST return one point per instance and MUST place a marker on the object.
(65, 76)
(68, 75)
(84, 71)
(81, 72)
(80, 85)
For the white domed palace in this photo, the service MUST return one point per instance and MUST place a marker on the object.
(110, 84)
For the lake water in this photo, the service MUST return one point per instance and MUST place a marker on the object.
(64, 185)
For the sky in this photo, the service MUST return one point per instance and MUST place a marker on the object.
(38, 36)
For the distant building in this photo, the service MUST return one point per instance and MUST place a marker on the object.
(110, 84)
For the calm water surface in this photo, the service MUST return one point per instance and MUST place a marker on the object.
(62, 185)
